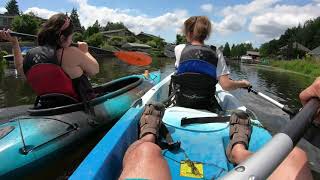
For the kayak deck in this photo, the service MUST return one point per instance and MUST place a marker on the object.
(203, 143)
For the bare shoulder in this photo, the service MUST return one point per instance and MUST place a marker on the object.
(72, 50)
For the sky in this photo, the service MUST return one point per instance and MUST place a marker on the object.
(234, 21)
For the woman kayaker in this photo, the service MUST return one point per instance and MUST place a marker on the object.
(144, 159)
(197, 90)
(54, 40)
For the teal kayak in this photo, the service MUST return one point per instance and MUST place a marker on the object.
(26, 141)
(203, 145)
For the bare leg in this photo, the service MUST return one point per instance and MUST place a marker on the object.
(295, 166)
(143, 159)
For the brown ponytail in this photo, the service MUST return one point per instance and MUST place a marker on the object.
(199, 26)
(51, 31)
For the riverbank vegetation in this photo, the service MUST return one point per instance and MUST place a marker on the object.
(307, 35)
(296, 50)
(307, 66)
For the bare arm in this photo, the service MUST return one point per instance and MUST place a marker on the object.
(75, 57)
(89, 64)
(18, 59)
(310, 92)
(229, 85)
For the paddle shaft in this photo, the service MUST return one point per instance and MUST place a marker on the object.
(73, 44)
(261, 164)
(285, 108)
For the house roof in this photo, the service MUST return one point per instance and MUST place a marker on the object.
(115, 31)
(136, 45)
(298, 46)
(315, 51)
(149, 35)
(255, 53)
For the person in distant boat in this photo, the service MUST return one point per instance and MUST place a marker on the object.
(198, 90)
(54, 66)
(144, 158)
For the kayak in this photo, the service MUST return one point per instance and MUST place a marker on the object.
(29, 136)
(202, 145)
(10, 57)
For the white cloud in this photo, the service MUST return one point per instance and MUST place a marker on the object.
(3, 10)
(229, 24)
(207, 8)
(255, 6)
(43, 13)
(170, 20)
(236, 17)
(274, 22)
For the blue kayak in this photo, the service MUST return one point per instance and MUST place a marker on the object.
(202, 145)
(26, 141)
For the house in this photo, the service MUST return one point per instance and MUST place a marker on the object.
(118, 32)
(144, 37)
(136, 47)
(294, 50)
(5, 21)
(296, 45)
(315, 53)
(254, 55)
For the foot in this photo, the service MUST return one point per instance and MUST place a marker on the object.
(240, 132)
(151, 119)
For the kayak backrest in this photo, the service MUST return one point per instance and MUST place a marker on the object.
(50, 78)
(194, 90)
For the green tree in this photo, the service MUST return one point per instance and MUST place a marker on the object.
(159, 42)
(131, 39)
(152, 44)
(226, 50)
(95, 28)
(95, 40)
(12, 8)
(75, 20)
(114, 26)
(26, 23)
(181, 39)
(78, 37)
(116, 41)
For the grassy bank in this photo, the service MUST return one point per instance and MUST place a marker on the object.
(307, 66)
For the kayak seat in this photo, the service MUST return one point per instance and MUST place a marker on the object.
(47, 79)
(53, 100)
(194, 90)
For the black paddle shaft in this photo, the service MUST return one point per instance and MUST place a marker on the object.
(17, 34)
(302, 121)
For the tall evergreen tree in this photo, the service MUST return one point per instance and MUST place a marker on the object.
(226, 50)
(12, 8)
(75, 20)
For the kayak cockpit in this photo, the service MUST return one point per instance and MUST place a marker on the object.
(56, 103)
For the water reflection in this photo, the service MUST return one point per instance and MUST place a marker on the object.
(280, 85)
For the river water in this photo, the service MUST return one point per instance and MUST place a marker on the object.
(280, 85)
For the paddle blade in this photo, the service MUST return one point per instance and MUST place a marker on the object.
(134, 58)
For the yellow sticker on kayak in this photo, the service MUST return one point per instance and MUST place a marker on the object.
(191, 169)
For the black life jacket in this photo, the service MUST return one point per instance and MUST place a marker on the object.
(195, 79)
(52, 85)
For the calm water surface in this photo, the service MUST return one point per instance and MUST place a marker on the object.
(280, 85)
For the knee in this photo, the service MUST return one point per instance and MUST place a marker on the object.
(148, 149)
(238, 153)
(298, 155)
